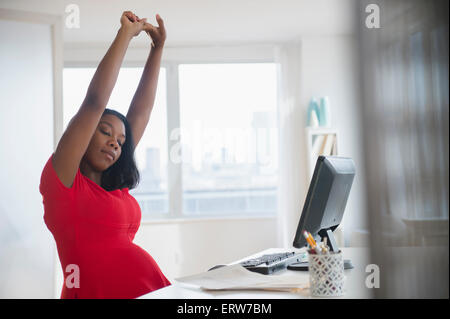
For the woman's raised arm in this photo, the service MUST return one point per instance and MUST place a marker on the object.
(142, 104)
(105, 77)
(75, 140)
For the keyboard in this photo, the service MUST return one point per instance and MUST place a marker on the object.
(268, 264)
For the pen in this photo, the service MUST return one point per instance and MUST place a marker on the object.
(309, 238)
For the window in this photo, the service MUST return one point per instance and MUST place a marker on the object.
(151, 152)
(228, 138)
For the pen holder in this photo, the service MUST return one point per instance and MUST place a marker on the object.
(326, 274)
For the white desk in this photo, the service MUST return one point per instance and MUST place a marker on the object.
(355, 286)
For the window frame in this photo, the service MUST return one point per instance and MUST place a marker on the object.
(84, 56)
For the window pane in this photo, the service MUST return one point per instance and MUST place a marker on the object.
(151, 152)
(229, 138)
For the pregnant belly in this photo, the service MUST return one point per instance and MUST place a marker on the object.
(125, 271)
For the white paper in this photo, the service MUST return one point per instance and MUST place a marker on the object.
(236, 277)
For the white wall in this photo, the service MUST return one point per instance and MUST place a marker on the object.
(330, 67)
(202, 22)
(26, 138)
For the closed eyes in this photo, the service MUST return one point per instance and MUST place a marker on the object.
(106, 133)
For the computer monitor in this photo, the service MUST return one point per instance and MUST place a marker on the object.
(326, 200)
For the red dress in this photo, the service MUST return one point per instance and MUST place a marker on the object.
(94, 231)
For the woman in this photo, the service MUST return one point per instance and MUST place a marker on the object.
(85, 182)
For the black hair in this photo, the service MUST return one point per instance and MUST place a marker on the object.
(124, 172)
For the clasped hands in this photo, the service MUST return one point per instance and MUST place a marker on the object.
(133, 25)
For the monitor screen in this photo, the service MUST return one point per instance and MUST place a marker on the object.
(326, 199)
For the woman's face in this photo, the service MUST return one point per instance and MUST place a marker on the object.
(105, 147)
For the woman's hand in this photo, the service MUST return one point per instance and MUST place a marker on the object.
(157, 34)
(131, 24)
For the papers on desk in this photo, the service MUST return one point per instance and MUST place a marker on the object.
(236, 277)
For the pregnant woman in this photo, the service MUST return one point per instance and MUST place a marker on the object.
(85, 182)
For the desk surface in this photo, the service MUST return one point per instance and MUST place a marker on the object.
(355, 286)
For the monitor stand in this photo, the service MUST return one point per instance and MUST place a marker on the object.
(331, 242)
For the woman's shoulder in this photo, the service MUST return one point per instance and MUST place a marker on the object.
(51, 185)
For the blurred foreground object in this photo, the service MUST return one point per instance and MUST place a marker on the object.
(404, 78)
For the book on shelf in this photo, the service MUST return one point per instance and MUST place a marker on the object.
(328, 145)
(324, 144)
(317, 144)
